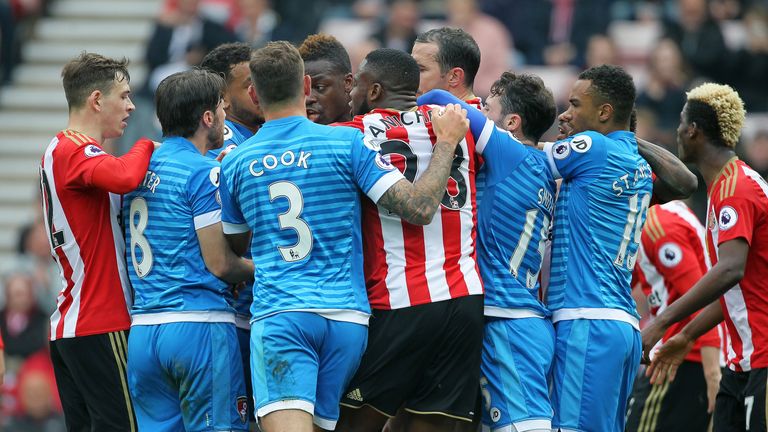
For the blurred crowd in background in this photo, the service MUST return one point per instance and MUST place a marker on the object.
(668, 47)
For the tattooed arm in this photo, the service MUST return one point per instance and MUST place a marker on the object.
(673, 179)
(416, 203)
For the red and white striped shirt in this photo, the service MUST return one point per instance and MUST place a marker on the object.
(670, 261)
(738, 208)
(408, 265)
(80, 186)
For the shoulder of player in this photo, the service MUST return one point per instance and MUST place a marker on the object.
(583, 142)
(70, 142)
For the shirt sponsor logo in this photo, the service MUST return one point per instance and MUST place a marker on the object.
(228, 134)
(670, 254)
(581, 143)
(727, 218)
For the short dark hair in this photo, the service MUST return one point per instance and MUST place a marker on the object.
(705, 117)
(455, 48)
(527, 96)
(277, 72)
(182, 98)
(395, 70)
(224, 57)
(326, 47)
(613, 85)
(88, 72)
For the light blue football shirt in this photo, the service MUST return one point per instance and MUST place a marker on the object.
(179, 195)
(296, 186)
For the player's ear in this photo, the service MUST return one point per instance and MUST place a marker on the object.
(513, 123)
(208, 118)
(252, 94)
(94, 100)
(307, 85)
(348, 82)
(605, 113)
(456, 77)
(375, 91)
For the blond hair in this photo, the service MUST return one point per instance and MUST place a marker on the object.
(728, 107)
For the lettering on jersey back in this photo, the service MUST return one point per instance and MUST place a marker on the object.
(628, 181)
(402, 119)
(287, 159)
(151, 180)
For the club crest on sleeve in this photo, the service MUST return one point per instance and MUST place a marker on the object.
(228, 134)
(727, 218)
(561, 150)
(214, 175)
(581, 143)
(670, 254)
(383, 163)
(91, 151)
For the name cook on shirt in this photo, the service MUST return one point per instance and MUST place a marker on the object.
(288, 158)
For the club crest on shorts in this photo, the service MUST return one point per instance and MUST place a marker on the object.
(242, 408)
(91, 151)
(561, 150)
(670, 254)
(495, 414)
(727, 218)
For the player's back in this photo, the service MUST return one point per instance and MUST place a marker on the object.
(513, 225)
(165, 261)
(408, 265)
(599, 216)
(738, 208)
(295, 185)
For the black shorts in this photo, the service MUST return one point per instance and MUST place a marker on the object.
(424, 358)
(93, 387)
(740, 404)
(670, 407)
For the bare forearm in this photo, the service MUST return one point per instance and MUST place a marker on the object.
(709, 288)
(674, 179)
(710, 361)
(237, 269)
(705, 321)
(417, 202)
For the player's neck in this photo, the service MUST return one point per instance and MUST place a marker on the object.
(251, 127)
(200, 141)
(86, 126)
(399, 102)
(279, 112)
(711, 162)
(463, 93)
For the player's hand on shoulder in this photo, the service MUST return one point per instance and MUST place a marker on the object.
(450, 124)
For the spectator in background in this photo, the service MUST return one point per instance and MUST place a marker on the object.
(39, 409)
(601, 50)
(664, 92)
(2, 360)
(180, 40)
(23, 325)
(399, 29)
(756, 152)
(493, 39)
(699, 38)
(298, 19)
(256, 23)
(750, 63)
(33, 249)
